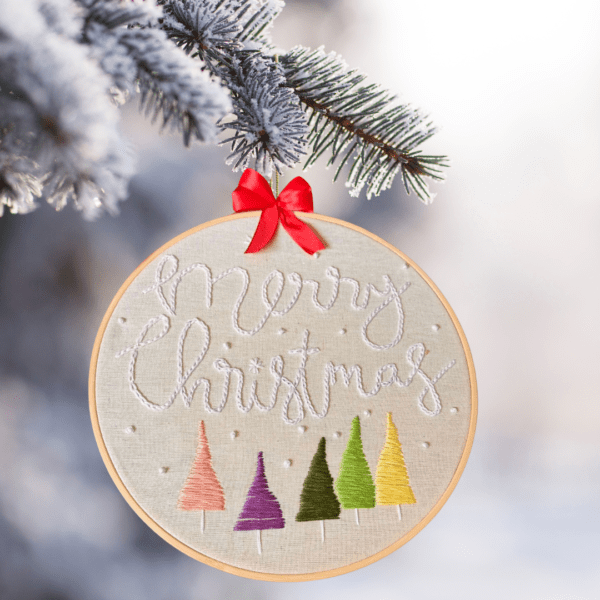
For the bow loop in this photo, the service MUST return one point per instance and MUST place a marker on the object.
(297, 195)
(254, 193)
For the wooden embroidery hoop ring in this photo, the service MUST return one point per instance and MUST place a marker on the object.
(224, 566)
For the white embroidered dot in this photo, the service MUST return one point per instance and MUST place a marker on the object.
(121, 320)
(130, 429)
(425, 444)
(342, 332)
(282, 331)
(316, 255)
(435, 327)
(287, 463)
(233, 434)
(302, 429)
(227, 345)
(337, 434)
(405, 266)
(454, 410)
(367, 413)
(255, 366)
(163, 470)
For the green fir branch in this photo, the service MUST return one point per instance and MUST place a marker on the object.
(357, 126)
(361, 126)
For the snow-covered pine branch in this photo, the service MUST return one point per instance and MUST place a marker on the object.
(170, 82)
(270, 126)
(58, 127)
(362, 124)
(231, 37)
(202, 66)
(62, 62)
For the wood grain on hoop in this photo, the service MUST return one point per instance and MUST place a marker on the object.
(244, 572)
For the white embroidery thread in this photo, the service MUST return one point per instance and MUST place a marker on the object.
(389, 292)
(395, 296)
(356, 370)
(182, 376)
(297, 389)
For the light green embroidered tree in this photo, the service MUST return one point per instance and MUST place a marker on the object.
(354, 484)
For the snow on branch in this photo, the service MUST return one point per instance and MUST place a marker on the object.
(269, 124)
(362, 125)
(142, 57)
(62, 63)
(210, 27)
(270, 127)
(202, 67)
(349, 122)
(58, 128)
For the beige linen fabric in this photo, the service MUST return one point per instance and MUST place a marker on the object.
(152, 451)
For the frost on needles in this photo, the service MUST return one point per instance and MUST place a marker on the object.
(64, 64)
(205, 68)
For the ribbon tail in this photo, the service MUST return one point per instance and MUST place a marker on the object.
(265, 230)
(301, 233)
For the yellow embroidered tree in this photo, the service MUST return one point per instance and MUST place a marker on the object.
(391, 479)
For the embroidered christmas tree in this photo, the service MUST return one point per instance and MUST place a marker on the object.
(202, 490)
(318, 500)
(393, 486)
(261, 510)
(354, 484)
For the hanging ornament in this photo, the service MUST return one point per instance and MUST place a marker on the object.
(282, 403)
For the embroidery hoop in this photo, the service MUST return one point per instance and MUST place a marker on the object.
(225, 566)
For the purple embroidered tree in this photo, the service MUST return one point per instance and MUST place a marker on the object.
(261, 510)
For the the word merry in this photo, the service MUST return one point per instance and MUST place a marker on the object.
(167, 271)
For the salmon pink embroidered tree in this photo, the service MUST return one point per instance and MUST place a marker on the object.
(202, 489)
(262, 509)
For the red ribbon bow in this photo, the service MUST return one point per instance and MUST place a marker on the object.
(254, 193)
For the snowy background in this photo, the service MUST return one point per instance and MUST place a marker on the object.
(512, 241)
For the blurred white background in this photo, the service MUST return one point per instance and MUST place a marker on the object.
(511, 240)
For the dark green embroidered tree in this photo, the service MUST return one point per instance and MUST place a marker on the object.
(354, 484)
(318, 500)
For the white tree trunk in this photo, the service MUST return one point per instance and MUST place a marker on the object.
(259, 540)
(357, 521)
(202, 521)
(399, 514)
(322, 531)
